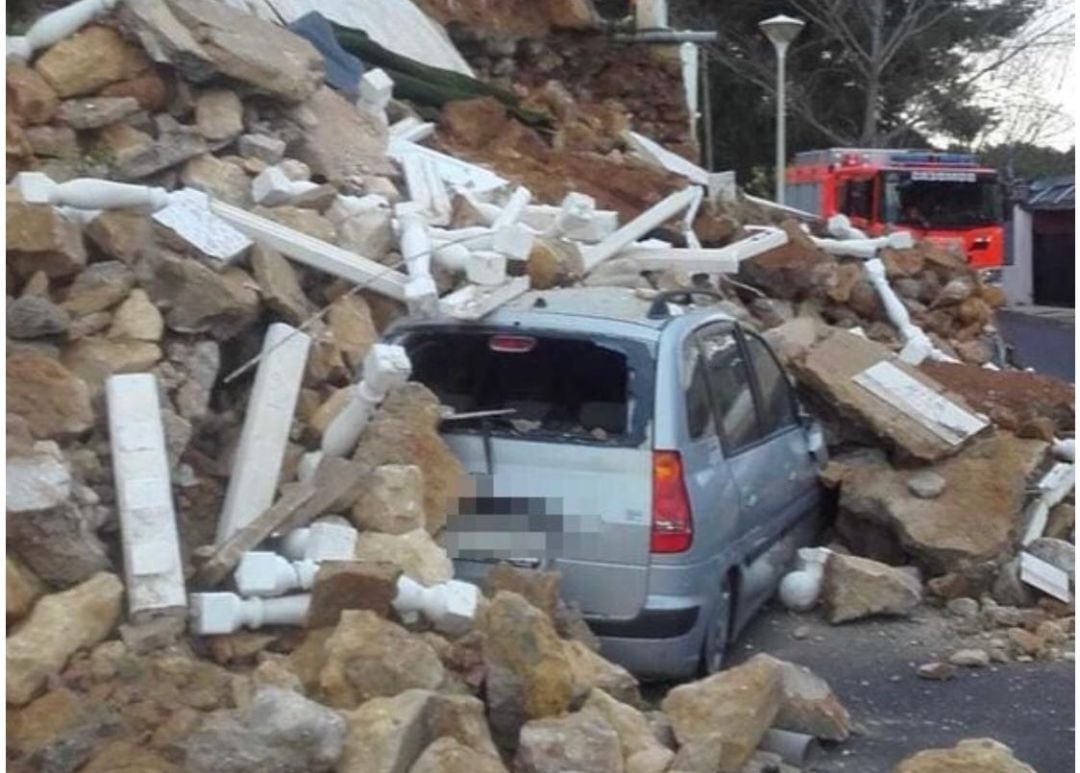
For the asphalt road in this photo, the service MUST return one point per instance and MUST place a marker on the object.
(1042, 338)
(871, 667)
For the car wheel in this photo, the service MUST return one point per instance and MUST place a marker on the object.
(716, 637)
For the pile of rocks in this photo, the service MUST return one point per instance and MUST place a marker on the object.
(192, 94)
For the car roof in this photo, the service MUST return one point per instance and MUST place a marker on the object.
(618, 304)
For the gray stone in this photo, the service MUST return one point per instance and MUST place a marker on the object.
(44, 526)
(203, 39)
(33, 316)
(926, 484)
(142, 156)
(279, 732)
(343, 140)
(279, 286)
(971, 658)
(261, 146)
(858, 587)
(581, 741)
(199, 299)
(95, 112)
(201, 363)
(219, 114)
(935, 671)
(963, 607)
(101, 286)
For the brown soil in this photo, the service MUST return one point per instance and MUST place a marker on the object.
(1009, 393)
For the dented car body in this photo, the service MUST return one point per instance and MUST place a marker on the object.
(652, 454)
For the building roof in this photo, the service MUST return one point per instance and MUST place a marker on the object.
(1051, 193)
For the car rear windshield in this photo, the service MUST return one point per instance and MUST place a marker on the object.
(567, 388)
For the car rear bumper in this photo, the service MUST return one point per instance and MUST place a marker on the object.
(661, 642)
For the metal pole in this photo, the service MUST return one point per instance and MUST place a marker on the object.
(781, 128)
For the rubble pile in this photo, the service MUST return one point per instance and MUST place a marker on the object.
(225, 497)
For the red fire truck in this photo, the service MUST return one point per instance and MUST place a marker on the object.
(942, 197)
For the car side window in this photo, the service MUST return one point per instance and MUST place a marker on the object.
(699, 421)
(729, 388)
(777, 403)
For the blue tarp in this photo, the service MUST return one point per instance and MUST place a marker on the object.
(343, 70)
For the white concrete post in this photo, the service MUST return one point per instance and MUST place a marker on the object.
(426, 188)
(653, 217)
(272, 187)
(153, 573)
(376, 90)
(266, 574)
(54, 27)
(862, 247)
(386, 366)
(840, 226)
(650, 14)
(917, 346)
(513, 240)
(88, 193)
(515, 205)
(323, 540)
(449, 606)
(421, 295)
(486, 267)
(265, 433)
(221, 613)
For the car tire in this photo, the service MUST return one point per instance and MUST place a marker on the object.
(717, 633)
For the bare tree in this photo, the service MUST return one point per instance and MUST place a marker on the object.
(867, 45)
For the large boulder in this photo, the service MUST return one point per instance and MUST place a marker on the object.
(808, 704)
(280, 731)
(45, 527)
(59, 626)
(528, 671)
(414, 552)
(792, 271)
(975, 518)
(974, 755)
(393, 500)
(738, 705)
(90, 59)
(342, 141)
(202, 39)
(341, 585)
(40, 238)
(23, 589)
(582, 741)
(388, 735)
(448, 755)
(59, 731)
(856, 587)
(368, 656)
(197, 299)
(405, 431)
(631, 726)
(53, 400)
(827, 371)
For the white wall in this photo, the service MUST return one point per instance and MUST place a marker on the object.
(1017, 279)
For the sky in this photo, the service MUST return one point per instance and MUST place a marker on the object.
(1036, 92)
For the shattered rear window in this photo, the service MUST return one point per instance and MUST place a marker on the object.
(566, 388)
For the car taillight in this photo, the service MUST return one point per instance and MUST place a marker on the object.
(672, 524)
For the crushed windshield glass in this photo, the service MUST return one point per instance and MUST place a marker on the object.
(565, 386)
(941, 199)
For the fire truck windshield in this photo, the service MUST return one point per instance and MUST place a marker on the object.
(940, 198)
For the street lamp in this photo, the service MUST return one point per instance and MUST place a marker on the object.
(781, 30)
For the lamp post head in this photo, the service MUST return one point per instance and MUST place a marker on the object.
(781, 30)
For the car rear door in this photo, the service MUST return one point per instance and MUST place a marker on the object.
(765, 447)
(577, 503)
